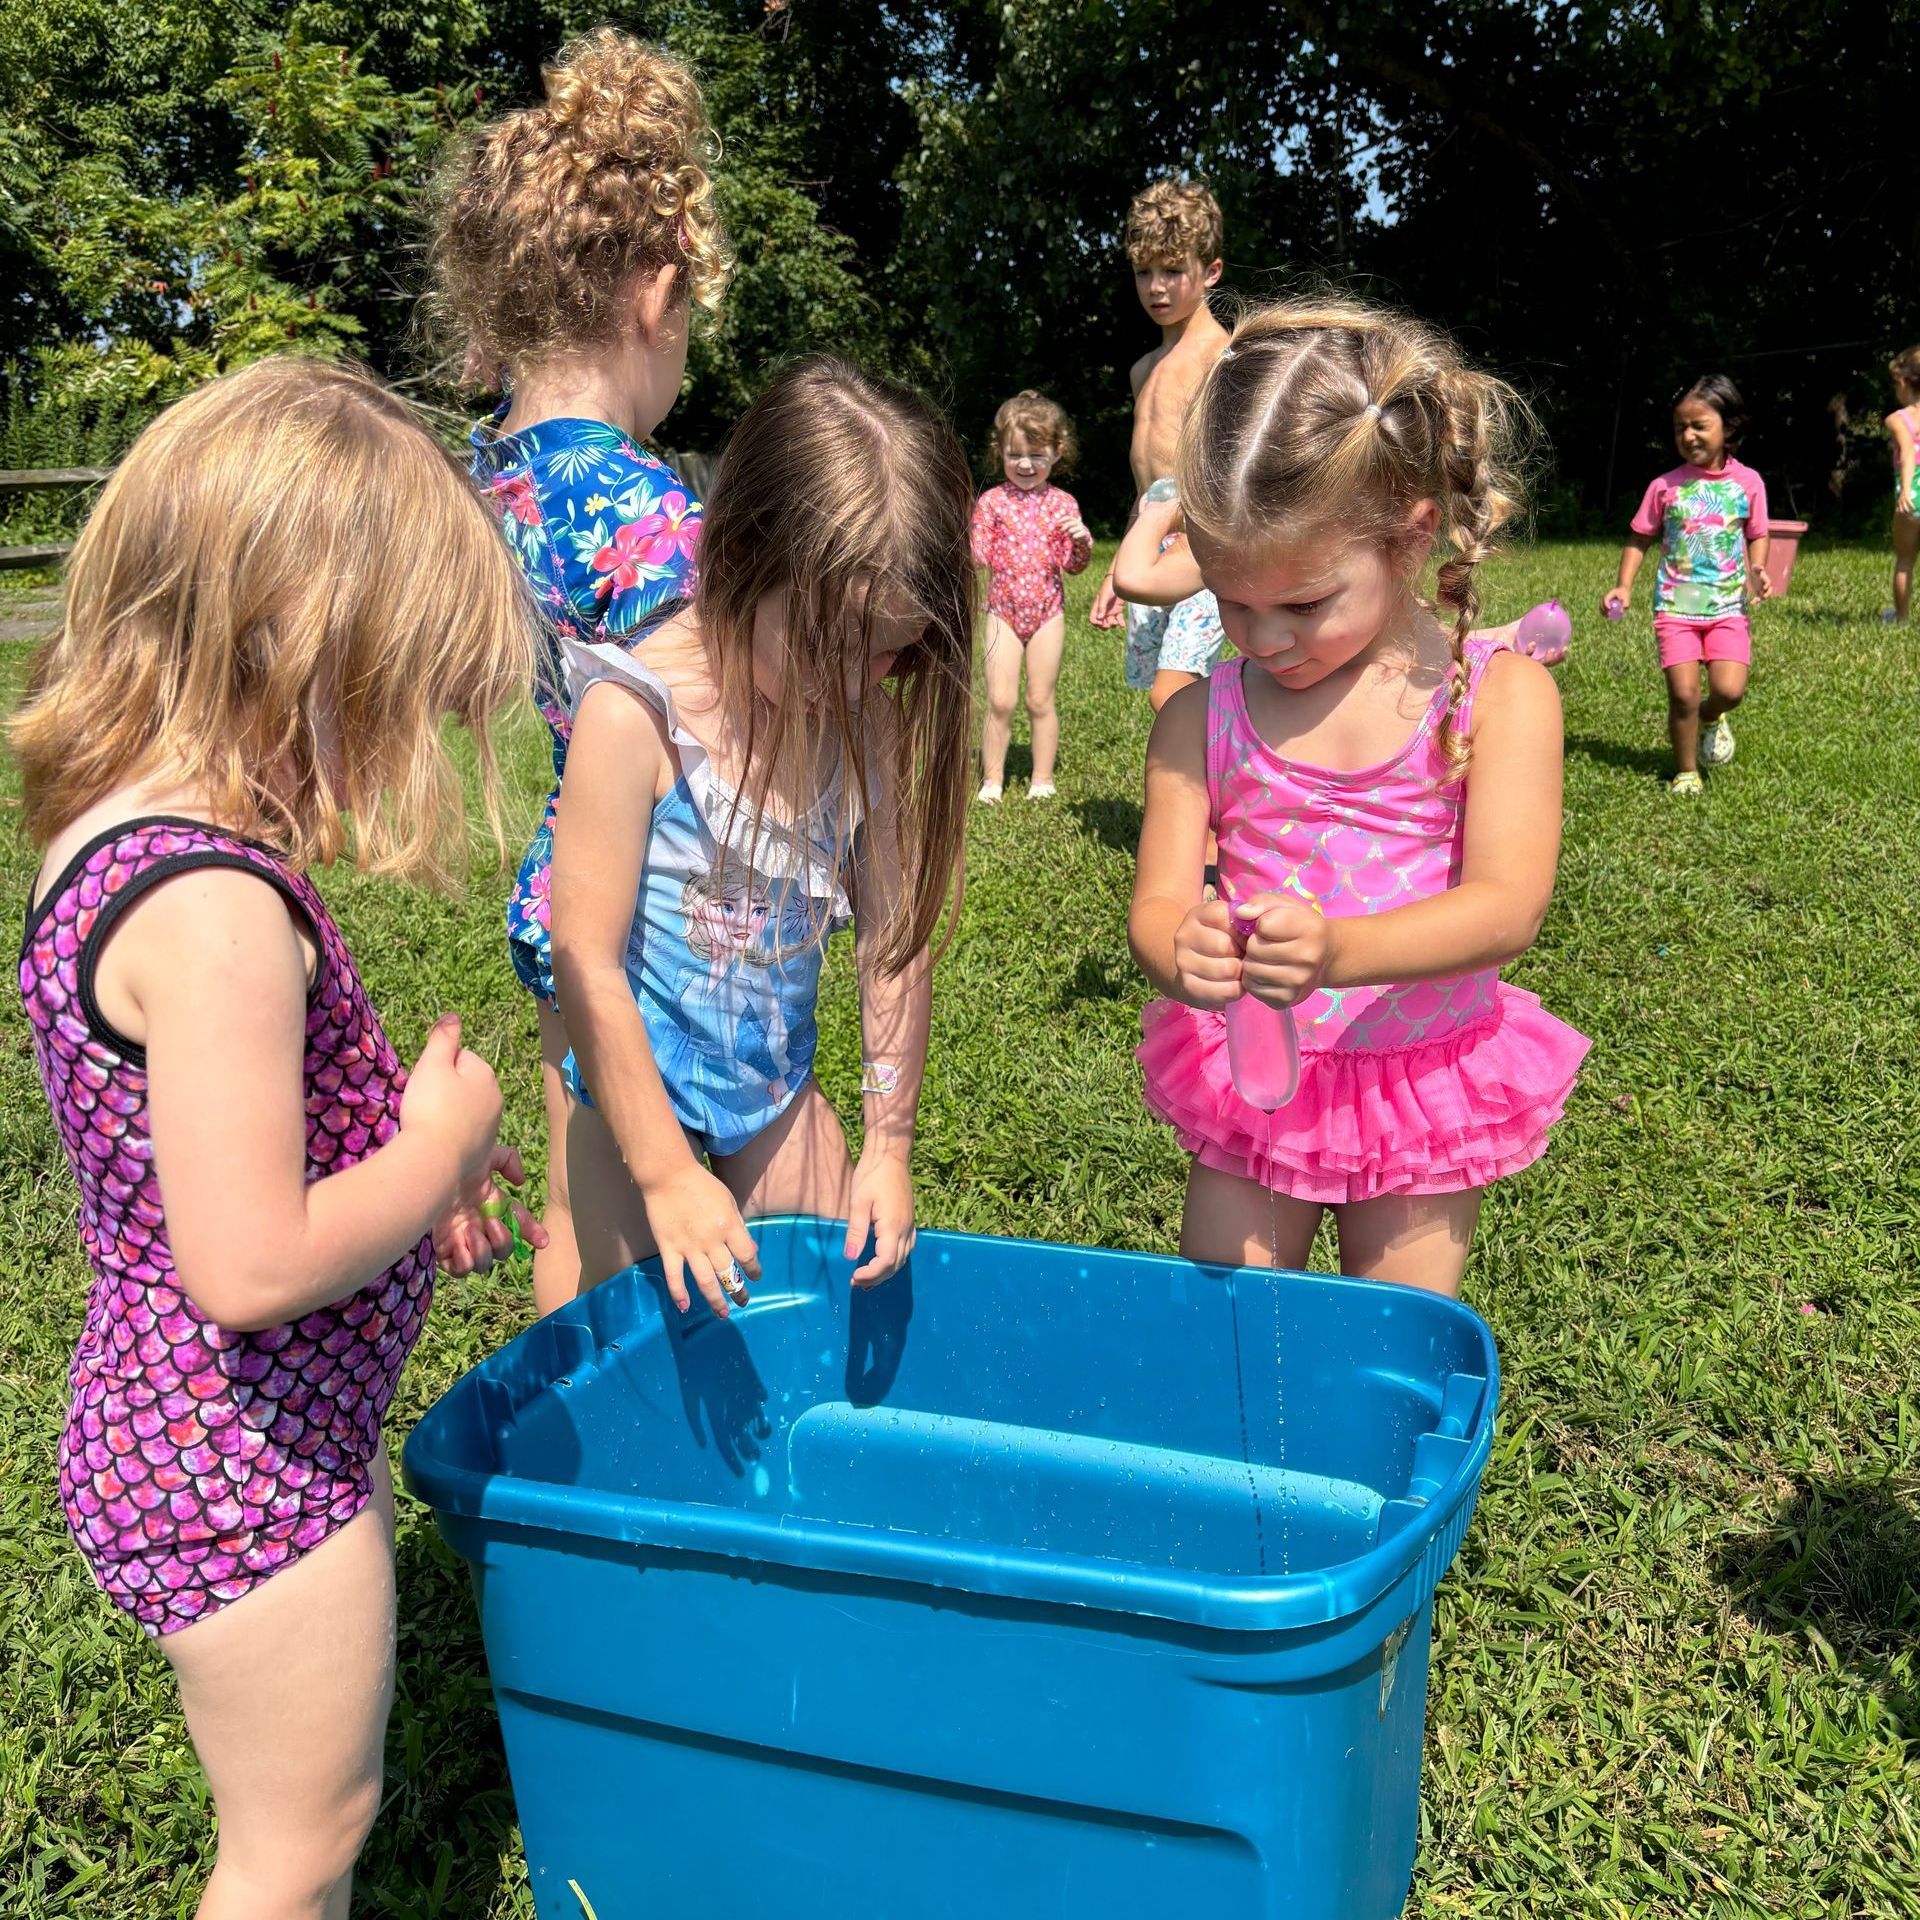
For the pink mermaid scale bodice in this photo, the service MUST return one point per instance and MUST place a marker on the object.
(1432, 1086)
(198, 1461)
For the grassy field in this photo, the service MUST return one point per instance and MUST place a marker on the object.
(1674, 1669)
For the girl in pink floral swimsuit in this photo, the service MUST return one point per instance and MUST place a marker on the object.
(1386, 792)
(263, 1189)
(1026, 533)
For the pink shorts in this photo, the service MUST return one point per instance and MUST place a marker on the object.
(1682, 640)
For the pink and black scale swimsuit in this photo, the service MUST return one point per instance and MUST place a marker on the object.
(197, 1461)
(1022, 536)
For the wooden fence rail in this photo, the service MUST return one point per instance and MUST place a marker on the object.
(21, 479)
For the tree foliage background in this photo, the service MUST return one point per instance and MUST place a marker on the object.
(1601, 199)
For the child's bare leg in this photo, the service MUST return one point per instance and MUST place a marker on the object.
(800, 1164)
(1231, 1222)
(1043, 674)
(1417, 1239)
(1166, 683)
(609, 1219)
(1906, 548)
(1683, 715)
(556, 1266)
(1726, 688)
(286, 1694)
(1003, 655)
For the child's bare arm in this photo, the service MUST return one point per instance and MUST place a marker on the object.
(1141, 572)
(1509, 853)
(1631, 555)
(1905, 454)
(896, 1014)
(214, 967)
(1184, 945)
(615, 762)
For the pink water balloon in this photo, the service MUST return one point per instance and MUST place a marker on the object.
(1263, 1047)
(1544, 633)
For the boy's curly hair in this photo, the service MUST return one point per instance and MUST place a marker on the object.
(544, 216)
(1038, 421)
(1172, 222)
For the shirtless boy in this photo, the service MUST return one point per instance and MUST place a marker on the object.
(1174, 242)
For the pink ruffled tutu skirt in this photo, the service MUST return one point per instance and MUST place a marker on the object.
(1440, 1116)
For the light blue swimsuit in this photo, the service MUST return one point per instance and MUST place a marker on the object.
(723, 956)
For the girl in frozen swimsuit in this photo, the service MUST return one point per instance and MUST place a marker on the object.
(785, 754)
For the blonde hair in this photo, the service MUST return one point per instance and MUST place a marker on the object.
(835, 487)
(284, 589)
(1038, 421)
(1905, 368)
(1330, 415)
(1172, 222)
(544, 216)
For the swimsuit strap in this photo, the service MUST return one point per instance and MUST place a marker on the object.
(1226, 715)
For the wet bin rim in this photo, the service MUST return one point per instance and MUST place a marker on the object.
(1241, 1603)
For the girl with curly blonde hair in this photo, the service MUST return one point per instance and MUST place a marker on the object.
(573, 241)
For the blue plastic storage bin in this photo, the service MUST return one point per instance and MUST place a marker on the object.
(1039, 1583)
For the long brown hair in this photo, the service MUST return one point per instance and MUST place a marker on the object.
(1335, 415)
(284, 590)
(542, 217)
(835, 488)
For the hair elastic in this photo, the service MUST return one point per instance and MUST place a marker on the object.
(1373, 409)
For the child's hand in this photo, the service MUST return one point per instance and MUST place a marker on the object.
(698, 1229)
(1762, 585)
(1161, 516)
(1206, 957)
(452, 1093)
(1079, 530)
(882, 1204)
(1108, 609)
(478, 1228)
(1615, 602)
(1287, 950)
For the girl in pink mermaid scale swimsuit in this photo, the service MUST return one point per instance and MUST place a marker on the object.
(1026, 533)
(1386, 793)
(263, 1189)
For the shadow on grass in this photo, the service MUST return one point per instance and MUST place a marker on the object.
(1842, 1559)
(1096, 978)
(1657, 761)
(447, 1824)
(1114, 823)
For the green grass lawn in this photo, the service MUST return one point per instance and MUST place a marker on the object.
(1673, 1668)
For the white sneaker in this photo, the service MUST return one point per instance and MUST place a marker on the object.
(989, 794)
(1040, 790)
(1716, 744)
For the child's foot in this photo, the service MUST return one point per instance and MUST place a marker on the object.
(1716, 744)
(1686, 784)
(1040, 790)
(989, 795)
(1892, 617)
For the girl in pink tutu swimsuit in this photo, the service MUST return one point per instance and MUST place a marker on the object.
(263, 1189)
(1386, 792)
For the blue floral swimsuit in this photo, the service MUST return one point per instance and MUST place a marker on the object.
(605, 535)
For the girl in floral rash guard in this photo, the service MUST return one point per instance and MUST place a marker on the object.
(1709, 515)
(574, 240)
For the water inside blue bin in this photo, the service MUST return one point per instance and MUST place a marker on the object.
(1094, 1405)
